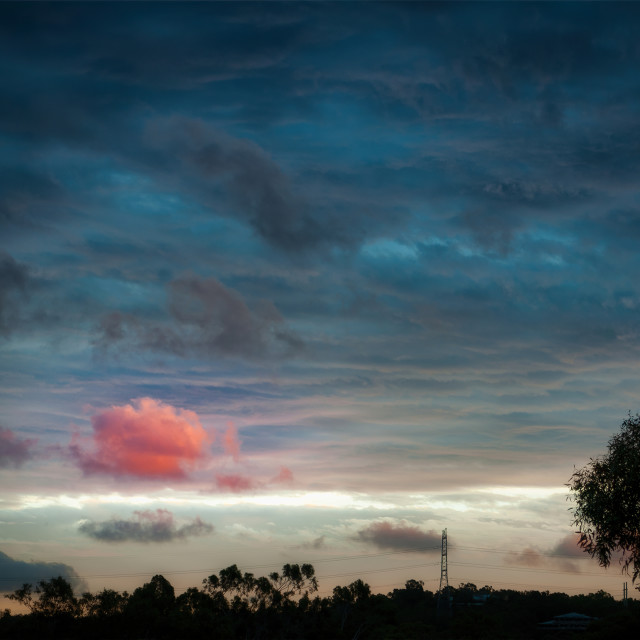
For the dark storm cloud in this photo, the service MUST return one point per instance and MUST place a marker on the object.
(214, 42)
(441, 197)
(223, 318)
(14, 573)
(13, 275)
(482, 106)
(34, 300)
(521, 69)
(14, 284)
(385, 535)
(205, 317)
(527, 314)
(146, 527)
(25, 195)
(517, 55)
(14, 451)
(256, 185)
(200, 160)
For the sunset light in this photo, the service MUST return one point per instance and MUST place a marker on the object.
(313, 283)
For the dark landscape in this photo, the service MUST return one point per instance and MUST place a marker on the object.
(233, 605)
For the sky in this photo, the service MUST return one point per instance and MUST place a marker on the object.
(308, 282)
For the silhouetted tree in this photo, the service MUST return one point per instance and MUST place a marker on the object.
(50, 597)
(198, 614)
(350, 603)
(261, 605)
(150, 607)
(24, 596)
(105, 604)
(607, 498)
(278, 607)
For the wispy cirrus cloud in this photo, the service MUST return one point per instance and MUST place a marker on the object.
(146, 527)
(145, 439)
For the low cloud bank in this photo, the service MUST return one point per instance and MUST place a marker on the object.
(316, 544)
(145, 526)
(14, 573)
(385, 535)
(558, 556)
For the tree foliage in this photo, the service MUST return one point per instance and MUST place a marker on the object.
(274, 591)
(607, 500)
(238, 606)
(104, 604)
(49, 598)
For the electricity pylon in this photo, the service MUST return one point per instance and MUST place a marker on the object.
(444, 599)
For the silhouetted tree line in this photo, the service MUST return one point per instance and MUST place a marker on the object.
(281, 606)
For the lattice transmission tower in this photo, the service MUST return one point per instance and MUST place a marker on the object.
(444, 599)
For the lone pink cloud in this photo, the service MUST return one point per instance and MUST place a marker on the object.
(146, 439)
(285, 476)
(235, 483)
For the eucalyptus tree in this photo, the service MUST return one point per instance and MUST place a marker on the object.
(607, 500)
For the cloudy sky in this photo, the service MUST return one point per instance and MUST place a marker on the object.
(311, 283)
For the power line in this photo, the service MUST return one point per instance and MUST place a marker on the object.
(526, 569)
(342, 558)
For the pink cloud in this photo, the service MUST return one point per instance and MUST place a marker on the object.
(568, 546)
(146, 439)
(231, 442)
(528, 557)
(13, 451)
(284, 477)
(235, 483)
(558, 556)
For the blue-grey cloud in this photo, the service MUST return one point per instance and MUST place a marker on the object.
(14, 282)
(14, 451)
(315, 544)
(24, 192)
(439, 199)
(14, 573)
(255, 186)
(145, 526)
(506, 89)
(205, 317)
(386, 535)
